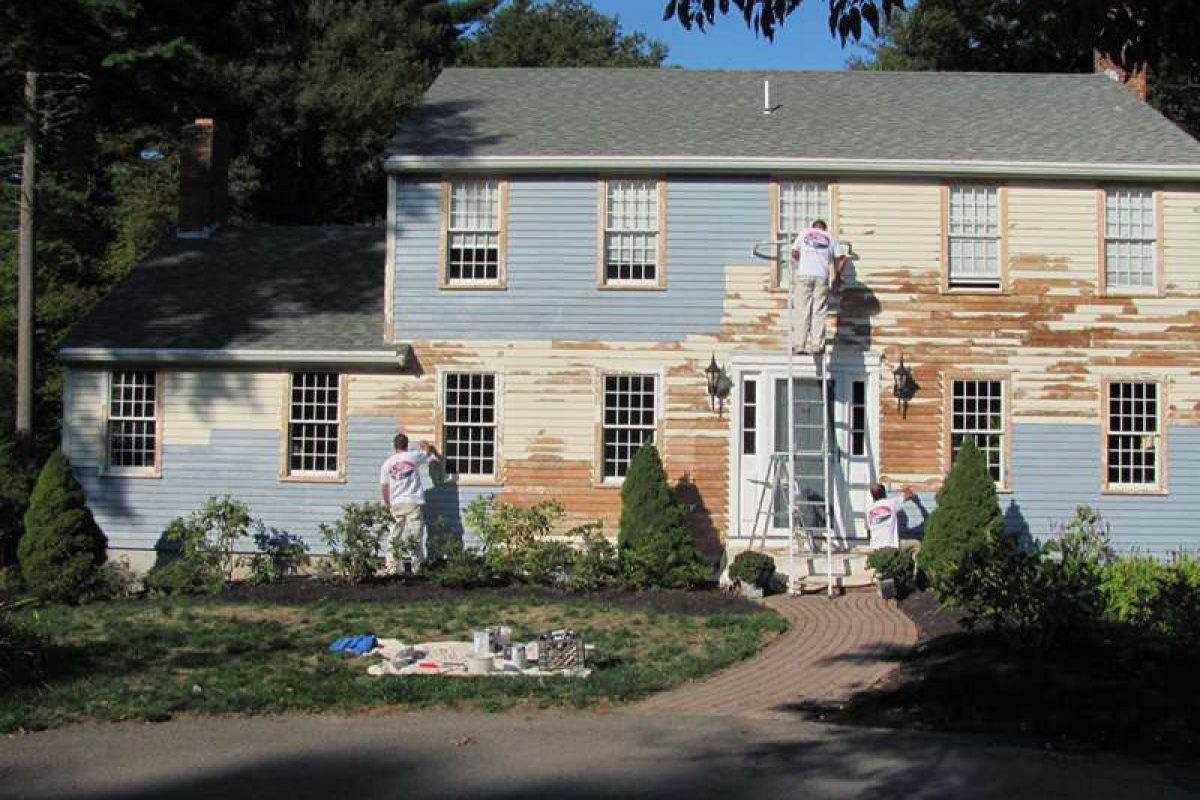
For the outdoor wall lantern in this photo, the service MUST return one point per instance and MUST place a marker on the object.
(904, 386)
(719, 385)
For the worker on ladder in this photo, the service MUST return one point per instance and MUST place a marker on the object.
(816, 258)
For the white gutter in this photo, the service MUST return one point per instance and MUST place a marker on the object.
(150, 355)
(850, 166)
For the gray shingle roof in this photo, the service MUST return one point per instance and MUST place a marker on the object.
(1083, 119)
(276, 288)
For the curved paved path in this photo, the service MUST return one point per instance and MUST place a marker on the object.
(832, 649)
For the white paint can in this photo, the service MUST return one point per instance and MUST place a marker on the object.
(519, 659)
(483, 643)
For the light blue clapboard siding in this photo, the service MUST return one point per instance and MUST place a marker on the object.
(1056, 468)
(551, 273)
(134, 512)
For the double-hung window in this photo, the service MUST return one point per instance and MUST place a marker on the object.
(1130, 240)
(133, 434)
(974, 237)
(1133, 442)
(314, 446)
(977, 412)
(474, 254)
(630, 420)
(632, 214)
(469, 424)
(799, 205)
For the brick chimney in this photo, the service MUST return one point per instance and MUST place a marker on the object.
(1133, 81)
(203, 180)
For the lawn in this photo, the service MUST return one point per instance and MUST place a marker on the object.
(153, 659)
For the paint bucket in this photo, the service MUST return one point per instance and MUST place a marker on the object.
(518, 656)
(482, 643)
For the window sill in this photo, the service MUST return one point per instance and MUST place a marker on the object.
(1119, 293)
(1154, 491)
(983, 290)
(473, 287)
(631, 287)
(608, 483)
(474, 480)
(294, 478)
(118, 472)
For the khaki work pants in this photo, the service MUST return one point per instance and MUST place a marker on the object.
(810, 310)
(408, 522)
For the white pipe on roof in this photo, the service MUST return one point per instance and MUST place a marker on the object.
(1041, 169)
(167, 355)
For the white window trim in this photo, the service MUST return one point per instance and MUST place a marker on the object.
(1001, 281)
(1005, 381)
(1156, 288)
(109, 470)
(1159, 487)
(445, 232)
(286, 473)
(659, 418)
(659, 281)
(496, 478)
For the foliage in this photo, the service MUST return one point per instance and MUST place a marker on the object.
(557, 33)
(356, 541)
(966, 518)
(511, 536)
(596, 565)
(113, 580)
(62, 544)
(14, 498)
(549, 562)
(753, 569)
(197, 553)
(846, 17)
(461, 568)
(655, 546)
(1163, 598)
(279, 554)
(20, 648)
(896, 563)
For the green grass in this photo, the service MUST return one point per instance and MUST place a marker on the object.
(154, 659)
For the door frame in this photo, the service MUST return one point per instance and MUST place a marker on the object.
(843, 367)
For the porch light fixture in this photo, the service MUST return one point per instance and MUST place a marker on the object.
(719, 385)
(904, 386)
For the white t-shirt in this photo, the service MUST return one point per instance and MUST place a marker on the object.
(817, 249)
(883, 523)
(402, 475)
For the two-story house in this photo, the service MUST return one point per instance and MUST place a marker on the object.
(567, 250)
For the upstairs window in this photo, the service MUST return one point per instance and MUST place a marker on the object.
(799, 204)
(630, 419)
(469, 424)
(1130, 240)
(133, 420)
(474, 233)
(977, 412)
(973, 237)
(633, 251)
(1133, 442)
(314, 424)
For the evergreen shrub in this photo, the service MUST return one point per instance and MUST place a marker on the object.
(967, 517)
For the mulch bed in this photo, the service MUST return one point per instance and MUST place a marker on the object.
(1108, 690)
(305, 591)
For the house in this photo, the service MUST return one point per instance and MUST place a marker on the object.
(567, 250)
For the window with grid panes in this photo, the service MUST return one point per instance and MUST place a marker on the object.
(1134, 441)
(133, 419)
(314, 422)
(631, 231)
(977, 411)
(629, 419)
(974, 237)
(858, 418)
(749, 416)
(1130, 239)
(469, 424)
(801, 203)
(473, 251)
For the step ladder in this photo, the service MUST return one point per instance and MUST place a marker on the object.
(781, 470)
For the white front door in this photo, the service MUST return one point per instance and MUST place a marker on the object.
(761, 433)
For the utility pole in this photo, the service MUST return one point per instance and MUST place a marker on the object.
(25, 250)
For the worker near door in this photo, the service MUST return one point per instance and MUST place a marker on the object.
(883, 520)
(817, 265)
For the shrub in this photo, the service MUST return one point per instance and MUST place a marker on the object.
(753, 568)
(896, 563)
(279, 554)
(113, 580)
(20, 648)
(967, 517)
(198, 552)
(549, 562)
(14, 499)
(356, 541)
(62, 544)
(461, 568)
(596, 566)
(654, 544)
(1131, 588)
(509, 535)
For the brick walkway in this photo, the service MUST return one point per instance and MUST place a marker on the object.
(832, 649)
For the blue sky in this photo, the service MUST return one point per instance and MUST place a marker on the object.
(804, 42)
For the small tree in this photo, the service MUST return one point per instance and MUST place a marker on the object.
(966, 518)
(654, 543)
(14, 498)
(62, 544)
